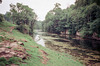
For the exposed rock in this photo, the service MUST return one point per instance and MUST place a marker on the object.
(7, 45)
(34, 46)
(21, 43)
(10, 49)
(7, 51)
(14, 45)
(11, 38)
(13, 53)
(44, 59)
(6, 55)
(23, 40)
(14, 65)
(43, 52)
(2, 49)
(2, 35)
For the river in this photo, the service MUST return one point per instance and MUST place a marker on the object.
(86, 51)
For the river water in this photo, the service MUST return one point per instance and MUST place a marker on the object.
(39, 40)
(86, 51)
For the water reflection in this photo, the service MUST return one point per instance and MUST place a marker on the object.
(39, 40)
(83, 43)
(87, 44)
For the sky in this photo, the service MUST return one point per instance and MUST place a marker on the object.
(41, 7)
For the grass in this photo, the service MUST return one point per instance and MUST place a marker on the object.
(12, 60)
(55, 58)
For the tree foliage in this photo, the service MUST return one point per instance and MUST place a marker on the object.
(1, 17)
(23, 16)
(83, 17)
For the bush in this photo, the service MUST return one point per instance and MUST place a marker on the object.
(2, 64)
(14, 60)
(23, 28)
(8, 47)
(1, 18)
(1, 38)
(3, 61)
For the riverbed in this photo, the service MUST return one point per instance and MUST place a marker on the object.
(86, 53)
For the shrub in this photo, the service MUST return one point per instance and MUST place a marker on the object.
(2, 64)
(23, 28)
(1, 18)
(1, 38)
(14, 60)
(3, 61)
(8, 47)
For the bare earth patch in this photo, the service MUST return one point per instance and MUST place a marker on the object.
(44, 59)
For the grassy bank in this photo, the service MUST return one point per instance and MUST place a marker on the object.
(53, 58)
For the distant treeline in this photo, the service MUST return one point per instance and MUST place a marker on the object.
(83, 17)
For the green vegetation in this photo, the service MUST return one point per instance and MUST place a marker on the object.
(8, 47)
(1, 38)
(83, 17)
(23, 16)
(38, 25)
(14, 60)
(1, 17)
(54, 58)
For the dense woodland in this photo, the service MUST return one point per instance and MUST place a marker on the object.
(21, 15)
(83, 18)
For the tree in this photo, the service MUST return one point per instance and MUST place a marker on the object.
(83, 17)
(7, 16)
(23, 16)
(54, 20)
(1, 17)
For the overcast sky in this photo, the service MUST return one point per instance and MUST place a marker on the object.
(41, 7)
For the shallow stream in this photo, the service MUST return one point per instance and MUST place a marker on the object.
(86, 51)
